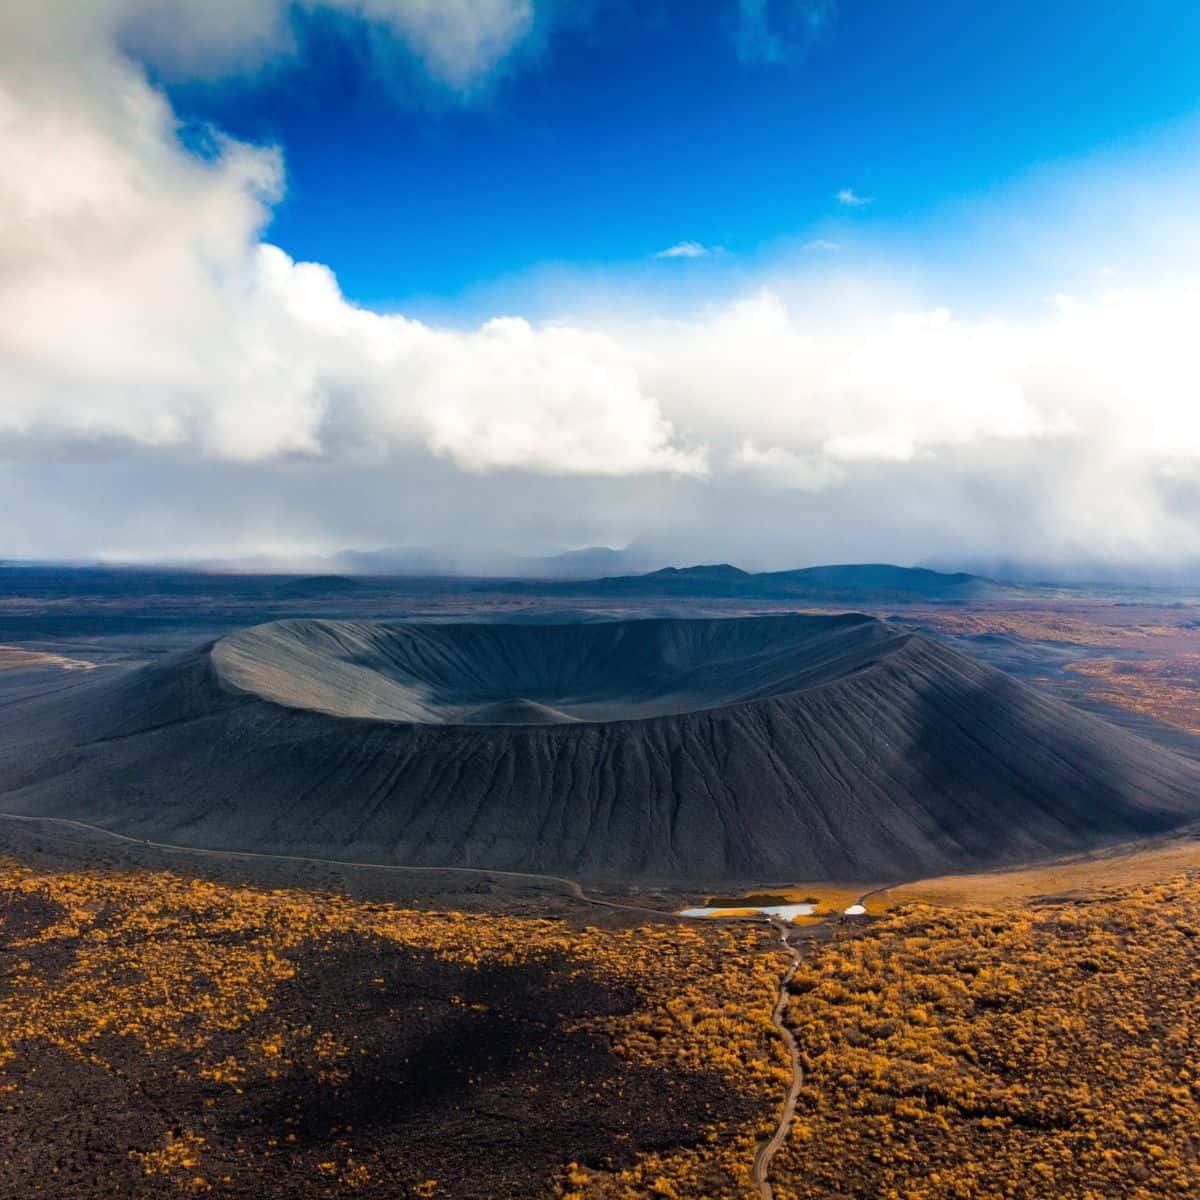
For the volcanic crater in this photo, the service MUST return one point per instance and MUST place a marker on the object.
(675, 750)
(500, 674)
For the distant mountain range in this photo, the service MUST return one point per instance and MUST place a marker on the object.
(592, 563)
(851, 584)
(846, 583)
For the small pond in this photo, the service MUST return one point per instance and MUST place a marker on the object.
(786, 912)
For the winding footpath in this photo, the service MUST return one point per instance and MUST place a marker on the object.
(760, 1172)
(570, 886)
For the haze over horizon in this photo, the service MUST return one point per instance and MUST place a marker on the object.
(288, 278)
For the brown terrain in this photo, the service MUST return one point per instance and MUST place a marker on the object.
(1144, 659)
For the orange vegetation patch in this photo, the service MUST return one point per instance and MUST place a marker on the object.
(834, 899)
(1043, 1052)
(1165, 688)
(1102, 626)
(1118, 868)
(13, 657)
(189, 972)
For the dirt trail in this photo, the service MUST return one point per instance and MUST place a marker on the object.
(570, 886)
(767, 1150)
(883, 887)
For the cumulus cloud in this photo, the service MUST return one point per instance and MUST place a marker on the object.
(851, 388)
(686, 250)
(140, 310)
(849, 198)
(457, 41)
(153, 344)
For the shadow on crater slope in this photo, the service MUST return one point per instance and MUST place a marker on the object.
(693, 750)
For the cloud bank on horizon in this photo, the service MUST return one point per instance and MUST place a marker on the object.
(172, 382)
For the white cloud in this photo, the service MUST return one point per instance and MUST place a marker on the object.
(849, 198)
(875, 445)
(685, 250)
(152, 344)
(138, 309)
(457, 41)
(787, 469)
(855, 387)
(823, 245)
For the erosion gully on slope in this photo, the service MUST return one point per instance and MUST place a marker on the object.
(765, 1151)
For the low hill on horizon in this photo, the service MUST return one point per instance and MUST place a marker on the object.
(835, 584)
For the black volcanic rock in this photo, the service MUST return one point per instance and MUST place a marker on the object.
(791, 747)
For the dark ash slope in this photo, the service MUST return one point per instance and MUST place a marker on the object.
(694, 750)
(605, 671)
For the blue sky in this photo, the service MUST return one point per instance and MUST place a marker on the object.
(288, 276)
(637, 126)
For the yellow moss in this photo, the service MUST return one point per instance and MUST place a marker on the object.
(179, 1152)
(178, 964)
(1038, 1052)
